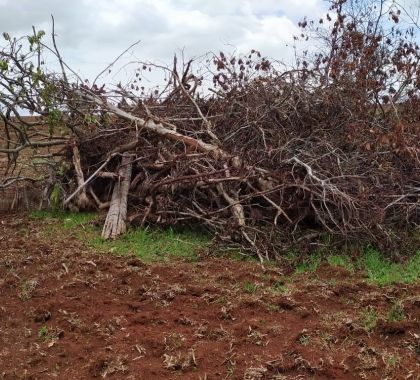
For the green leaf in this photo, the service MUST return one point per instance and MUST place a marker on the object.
(4, 66)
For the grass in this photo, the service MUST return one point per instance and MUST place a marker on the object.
(250, 287)
(392, 362)
(43, 332)
(382, 271)
(310, 264)
(152, 245)
(27, 288)
(279, 286)
(304, 339)
(163, 244)
(378, 268)
(68, 220)
(369, 319)
(341, 261)
(396, 313)
(148, 244)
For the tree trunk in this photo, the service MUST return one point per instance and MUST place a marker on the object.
(82, 202)
(115, 223)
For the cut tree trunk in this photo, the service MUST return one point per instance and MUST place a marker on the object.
(115, 223)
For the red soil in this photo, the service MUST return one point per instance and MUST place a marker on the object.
(67, 312)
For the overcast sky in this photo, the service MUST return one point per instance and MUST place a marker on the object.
(93, 32)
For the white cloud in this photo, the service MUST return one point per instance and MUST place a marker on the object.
(92, 33)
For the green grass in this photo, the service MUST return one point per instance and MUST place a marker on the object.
(43, 332)
(310, 264)
(163, 244)
(250, 287)
(148, 244)
(67, 219)
(279, 287)
(155, 244)
(378, 268)
(341, 261)
(396, 313)
(382, 271)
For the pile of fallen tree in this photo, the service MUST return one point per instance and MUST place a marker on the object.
(264, 158)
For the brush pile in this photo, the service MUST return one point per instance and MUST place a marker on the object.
(265, 158)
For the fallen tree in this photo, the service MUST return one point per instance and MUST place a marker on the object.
(265, 158)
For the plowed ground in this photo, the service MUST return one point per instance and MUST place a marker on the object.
(67, 312)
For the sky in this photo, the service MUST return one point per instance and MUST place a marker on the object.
(91, 33)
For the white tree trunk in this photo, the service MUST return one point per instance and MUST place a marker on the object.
(115, 223)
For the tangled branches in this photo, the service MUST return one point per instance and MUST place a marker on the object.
(260, 158)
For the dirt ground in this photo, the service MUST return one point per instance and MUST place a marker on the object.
(67, 312)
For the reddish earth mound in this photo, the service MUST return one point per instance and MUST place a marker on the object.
(69, 313)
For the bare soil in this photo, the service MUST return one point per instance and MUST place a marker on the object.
(67, 312)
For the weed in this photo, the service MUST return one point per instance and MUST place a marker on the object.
(43, 332)
(69, 220)
(155, 245)
(250, 287)
(280, 287)
(46, 334)
(310, 264)
(396, 313)
(147, 244)
(341, 261)
(383, 272)
(304, 339)
(392, 362)
(327, 340)
(229, 373)
(369, 319)
(236, 255)
(265, 277)
(27, 289)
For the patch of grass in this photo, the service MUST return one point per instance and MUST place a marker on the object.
(265, 277)
(155, 245)
(310, 264)
(341, 261)
(304, 339)
(147, 244)
(236, 255)
(382, 271)
(27, 289)
(369, 319)
(250, 287)
(379, 269)
(392, 361)
(43, 332)
(69, 220)
(327, 340)
(280, 287)
(396, 313)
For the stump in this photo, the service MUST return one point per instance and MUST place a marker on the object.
(115, 223)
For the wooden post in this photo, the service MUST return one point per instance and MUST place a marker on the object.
(115, 223)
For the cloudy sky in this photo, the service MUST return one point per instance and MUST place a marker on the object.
(91, 32)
